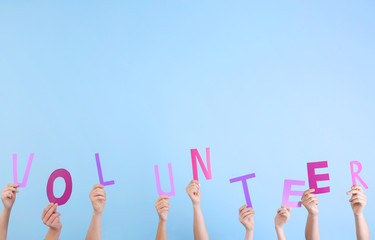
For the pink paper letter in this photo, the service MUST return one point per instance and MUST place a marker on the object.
(356, 174)
(98, 166)
(314, 178)
(68, 186)
(244, 185)
(26, 176)
(158, 187)
(288, 192)
(207, 172)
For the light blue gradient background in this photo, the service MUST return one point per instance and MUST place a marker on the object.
(267, 85)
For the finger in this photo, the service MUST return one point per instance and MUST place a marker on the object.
(247, 215)
(98, 186)
(241, 208)
(164, 197)
(357, 187)
(308, 191)
(13, 185)
(52, 218)
(46, 209)
(194, 182)
(50, 212)
(99, 192)
(55, 221)
(353, 191)
(100, 198)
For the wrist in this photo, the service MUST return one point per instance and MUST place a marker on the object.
(97, 214)
(360, 214)
(250, 230)
(7, 210)
(279, 228)
(55, 230)
(314, 213)
(196, 205)
(162, 221)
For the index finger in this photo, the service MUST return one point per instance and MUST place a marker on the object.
(13, 185)
(46, 209)
(194, 181)
(98, 186)
(164, 197)
(357, 187)
(308, 191)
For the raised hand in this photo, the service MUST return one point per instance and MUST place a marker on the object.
(162, 207)
(8, 195)
(199, 227)
(358, 200)
(51, 217)
(246, 217)
(194, 192)
(310, 201)
(98, 198)
(282, 216)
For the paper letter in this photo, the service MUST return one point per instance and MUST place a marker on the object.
(244, 185)
(158, 187)
(26, 176)
(314, 178)
(207, 172)
(68, 186)
(356, 174)
(101, 173)
(288, 192)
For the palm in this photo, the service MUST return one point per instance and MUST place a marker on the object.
(57, 225)
(281, 219)
(357, 207)
(99, 205)
(164, 215)
(248, 222)
(8, 203)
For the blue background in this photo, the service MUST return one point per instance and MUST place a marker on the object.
(268, 86)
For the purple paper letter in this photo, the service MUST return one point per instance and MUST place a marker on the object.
(244, 185)
(207, 172)
(314, 178)
(158, 187)
(26, 176)
(288, 192)
(356, 174)
(101, 173)
(68, 186)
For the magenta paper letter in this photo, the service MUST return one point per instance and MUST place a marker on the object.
(288, 192)
(26, 176)
(194, 156)
(158, 187)
(68, 186)
(244, 185)
(356, 174)
(98, 166)
(314, 178)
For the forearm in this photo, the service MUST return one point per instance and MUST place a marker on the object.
(53, 234)
(280, 233)
(200, 230)
(4, 221)
(312, 228)
(95, 229)
(363, 232)
(162, 231)
(249, 235)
